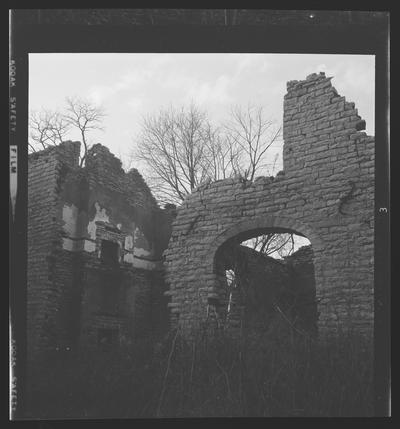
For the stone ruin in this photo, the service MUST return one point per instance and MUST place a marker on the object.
(95, 242)
(106, 264)
(325, 193)
(260, 286)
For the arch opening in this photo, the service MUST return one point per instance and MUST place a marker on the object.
(266, 283)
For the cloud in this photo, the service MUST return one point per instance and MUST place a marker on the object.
(359, 77)
(251, 63)
(183, 79)
(135, 104)
(132, 85)
(146, 68)
(322, 67)
(211, 92)
(99, 93)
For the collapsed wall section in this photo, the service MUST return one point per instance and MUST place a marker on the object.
(108, 204)
(95, 236)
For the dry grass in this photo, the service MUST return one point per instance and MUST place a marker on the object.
(283, 375)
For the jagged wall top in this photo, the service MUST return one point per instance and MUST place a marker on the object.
(102, 168)
(313, 111)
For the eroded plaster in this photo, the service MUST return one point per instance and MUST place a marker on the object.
(70, 226)
(100, 215)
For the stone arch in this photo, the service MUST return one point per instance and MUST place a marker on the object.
(249, 228)
(263, 222)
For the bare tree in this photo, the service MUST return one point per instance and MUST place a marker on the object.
(86, 117)
(273, 244)
(175, 145)
(252, 134)
(60, 127)
(182, 149)
(277, 244)
(50, 128)
(223, 158)
(47, 128)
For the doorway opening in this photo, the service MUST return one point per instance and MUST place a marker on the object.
(266, 281)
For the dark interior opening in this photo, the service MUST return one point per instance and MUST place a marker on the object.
(266, 285)
(109, 252)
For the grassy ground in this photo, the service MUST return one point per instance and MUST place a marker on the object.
(285, 375)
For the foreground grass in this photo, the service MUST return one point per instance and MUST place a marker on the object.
(283, 376)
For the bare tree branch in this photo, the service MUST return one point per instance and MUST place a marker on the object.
(50, 128)
(183, 149)
(84, 116)
(274, 244)
(47, 128)
(254, 134)
(31, 148)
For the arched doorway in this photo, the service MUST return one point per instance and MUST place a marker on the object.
(265, 279)
(254, 289)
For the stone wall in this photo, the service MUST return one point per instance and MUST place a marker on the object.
(94, 234)
(102, 202)
(44, 225)
(128, 301)
(77, 215)
(326, 193)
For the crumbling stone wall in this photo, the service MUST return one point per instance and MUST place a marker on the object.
(106, 203)
(43, 295)
(326, 193)
(74, 213)
(134, 308)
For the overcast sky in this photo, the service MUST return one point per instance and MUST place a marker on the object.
(132, 85)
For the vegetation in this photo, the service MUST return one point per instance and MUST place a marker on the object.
(284, 375)
(183, 149)
(50, 128)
